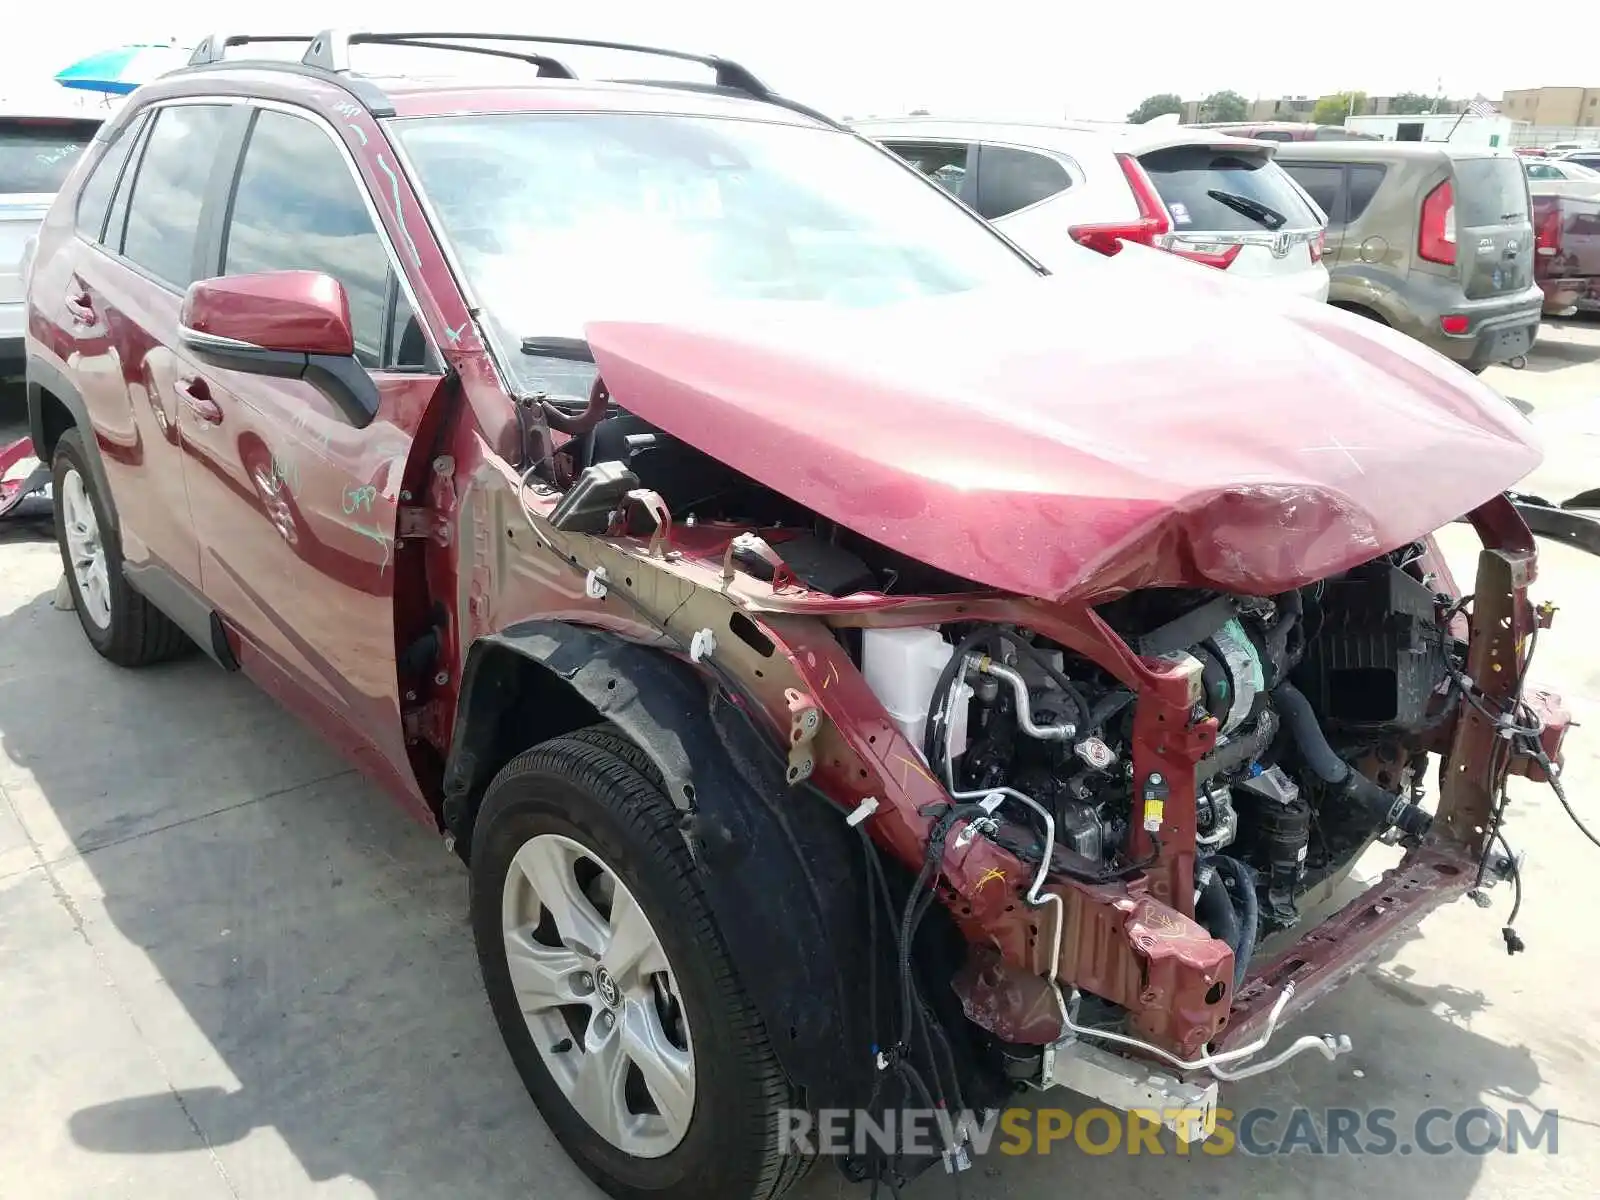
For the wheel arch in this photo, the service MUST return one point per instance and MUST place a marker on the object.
(55, 406)
(781, 870)
(1361, 310)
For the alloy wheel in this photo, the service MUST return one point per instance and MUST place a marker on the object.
(599, 996)
(86, 549)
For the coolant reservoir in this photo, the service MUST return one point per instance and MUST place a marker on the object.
(902, 668)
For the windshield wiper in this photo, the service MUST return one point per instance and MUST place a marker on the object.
(1258, 212)
(569, 349)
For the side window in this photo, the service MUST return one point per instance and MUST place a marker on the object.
(1011, 179)
(1364, 185)
(943, 162)
(406, 348)
(297, 207)
(1321, 183)
(169, 190)
(94, 198)
(1541, 171)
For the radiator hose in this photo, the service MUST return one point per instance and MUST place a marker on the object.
(1386, 807)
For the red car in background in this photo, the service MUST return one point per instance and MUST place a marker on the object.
(1566, 228)
(859, 670)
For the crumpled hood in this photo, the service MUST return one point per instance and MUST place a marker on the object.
(1139, 423)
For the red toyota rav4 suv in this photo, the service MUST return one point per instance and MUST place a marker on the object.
(859, 670)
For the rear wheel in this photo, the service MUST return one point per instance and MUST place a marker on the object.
(611, 984)
(120, 623)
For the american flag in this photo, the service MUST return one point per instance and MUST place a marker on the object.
(1479, 107)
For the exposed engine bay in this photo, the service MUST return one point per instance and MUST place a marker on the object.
(1125, 814)
(1322, 699)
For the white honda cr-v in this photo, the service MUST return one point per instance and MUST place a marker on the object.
(1057, 189)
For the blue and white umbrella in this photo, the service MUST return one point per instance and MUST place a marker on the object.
(122, 70)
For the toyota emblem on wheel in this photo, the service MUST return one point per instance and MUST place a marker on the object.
(606, 988)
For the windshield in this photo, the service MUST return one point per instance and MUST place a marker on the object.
(558, 219)
(1215, 189)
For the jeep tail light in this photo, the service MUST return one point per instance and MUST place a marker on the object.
(1436, 241)
(1454, 323)
(1153, 222)
(1318, 245)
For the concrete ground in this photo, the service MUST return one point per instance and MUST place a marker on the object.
(232, 969)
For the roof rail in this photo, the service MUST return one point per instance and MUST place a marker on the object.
(329, 51)
(213, 48)
(211, 54)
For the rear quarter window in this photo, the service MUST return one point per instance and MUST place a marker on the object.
(1010, 180)
(1210, 189)
(1490, 191)
(36, 156)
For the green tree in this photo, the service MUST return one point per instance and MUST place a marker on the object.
(1224, 106)
(1155, 106)
(1410, 103)
(1332, 110)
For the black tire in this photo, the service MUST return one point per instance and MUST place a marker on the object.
(1360, 311)
(138, 633)
(598, 789)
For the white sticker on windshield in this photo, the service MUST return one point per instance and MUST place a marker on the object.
(1180, 213)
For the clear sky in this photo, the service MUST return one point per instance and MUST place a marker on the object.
(1027, 59)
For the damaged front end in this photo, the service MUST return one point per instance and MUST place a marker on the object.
(1121, 806)
(1120, 780)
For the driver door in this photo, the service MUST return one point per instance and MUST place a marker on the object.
(295, 508)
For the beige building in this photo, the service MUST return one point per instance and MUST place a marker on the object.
(1554, 106)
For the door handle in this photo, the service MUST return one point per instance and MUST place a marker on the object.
(196, 394)
(80, 306)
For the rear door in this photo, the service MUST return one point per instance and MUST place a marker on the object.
(36, 156)
(121, 299)
(1494, 226)
(1236, 207)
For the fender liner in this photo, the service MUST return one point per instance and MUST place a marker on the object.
(783, 873)
(43, 377)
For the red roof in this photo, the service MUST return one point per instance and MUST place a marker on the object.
(438, 96)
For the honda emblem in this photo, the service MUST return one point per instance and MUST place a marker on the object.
(1280, 245)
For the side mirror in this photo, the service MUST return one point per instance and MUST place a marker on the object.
(286, 324)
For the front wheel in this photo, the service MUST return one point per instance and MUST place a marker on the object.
(611, 985)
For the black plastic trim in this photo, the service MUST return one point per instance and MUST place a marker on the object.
(186, 608)
(42, 377)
